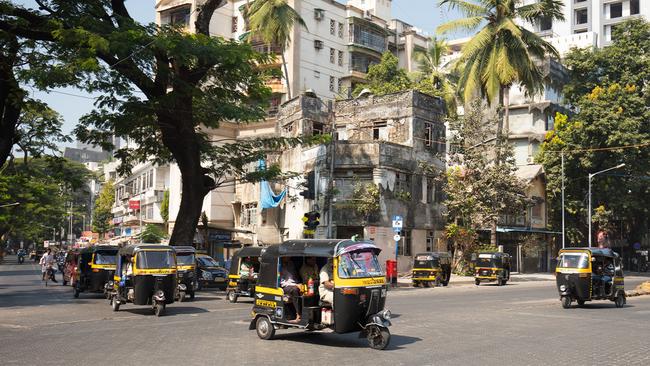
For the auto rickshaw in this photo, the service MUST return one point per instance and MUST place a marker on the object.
(489, 267)
(186, 271)
(145, 275)
(243, 273)
(95, 269)
(358, 291)
(431, 268)
(586, 274)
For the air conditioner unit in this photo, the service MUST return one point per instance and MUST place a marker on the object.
(530, 160)
(367, 14)
(319, 14)
(318, 44)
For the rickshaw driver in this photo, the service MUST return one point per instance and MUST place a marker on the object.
(246, 269)
(309, 269)
(291, 286)
(327, 283)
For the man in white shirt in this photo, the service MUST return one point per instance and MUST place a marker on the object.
(326, 288)
(47, 262)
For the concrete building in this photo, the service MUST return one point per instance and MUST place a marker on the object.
(382, 142)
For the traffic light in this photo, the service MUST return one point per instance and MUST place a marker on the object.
(311, 220)
(310, 186)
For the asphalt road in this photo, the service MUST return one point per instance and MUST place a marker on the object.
(519, 324)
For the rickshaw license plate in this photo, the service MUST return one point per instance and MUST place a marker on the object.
(219, 279)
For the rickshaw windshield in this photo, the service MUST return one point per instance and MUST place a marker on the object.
(156, 259)
(573, 260)
(426, 261)
(487, 262)
(359, 265)
(185, 259)
(105, 258)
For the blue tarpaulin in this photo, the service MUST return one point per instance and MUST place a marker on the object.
(268, 199)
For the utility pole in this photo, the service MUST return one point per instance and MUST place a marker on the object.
(563, 234)
(591, 175)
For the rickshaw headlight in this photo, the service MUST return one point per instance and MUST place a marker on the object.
(386, 314)
(562, 288)
(278, 312)
(206, 275)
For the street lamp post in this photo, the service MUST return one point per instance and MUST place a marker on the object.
(591, 175)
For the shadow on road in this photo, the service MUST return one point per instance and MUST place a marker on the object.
(170, 310)
(599, 306)
(343, 340)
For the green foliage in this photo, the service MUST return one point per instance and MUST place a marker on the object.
(38, 131)
(273, 21)
(624, 62)
(432, 78)
(43, 188)
(482, 184)
(102, 213)
(365, 198)
(152, 234)
(603, 219)
(385, 77)
(502, 52)
(164, 206)
(403, 196)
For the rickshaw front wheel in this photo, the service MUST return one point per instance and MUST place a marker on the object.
(115, 304)
(378, 337)
(232, 296)
(427, 283)
(566, 302)
(264, 328)
(620, 300)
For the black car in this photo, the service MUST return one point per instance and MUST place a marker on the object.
(209, 273)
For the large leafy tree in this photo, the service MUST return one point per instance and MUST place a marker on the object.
(385, 77)
(502, 53)
(38, 130)
(608, 89)
(162, 87)
(436, 79)
(102, 213)
(480, 188)
(273, 22)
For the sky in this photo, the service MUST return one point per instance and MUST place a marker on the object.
(72, 103)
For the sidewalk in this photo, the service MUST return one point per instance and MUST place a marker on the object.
(404, 280)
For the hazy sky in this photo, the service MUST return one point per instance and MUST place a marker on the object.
(423, 14)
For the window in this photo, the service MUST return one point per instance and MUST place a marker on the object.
(402, 182)
(235, 23)
(581, 16)
(332, 55)
(180, 16)
(430, 241)
(536, 211)
(332, 27)
(249, 214)
(428, 134)
(615, 10)
(340, 30)
(634, 7)
(404, 245)
(332, 82)
(545, 24)
(340, 58)
(378, 130)
(431, 190)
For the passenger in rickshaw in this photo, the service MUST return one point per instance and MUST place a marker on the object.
(326, 288)
(247, 269)
(309, 269)
(291, 286)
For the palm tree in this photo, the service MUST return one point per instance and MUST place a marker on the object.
(501, 53)
(431, 66)
(273, 21)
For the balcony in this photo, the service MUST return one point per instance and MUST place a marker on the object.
(277, 87)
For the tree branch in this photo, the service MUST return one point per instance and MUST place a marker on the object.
(206, 11)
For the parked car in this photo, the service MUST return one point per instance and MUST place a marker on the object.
(209, 273)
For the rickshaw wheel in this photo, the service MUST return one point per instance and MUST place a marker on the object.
(378, 338)
(581, 302)
(114, 304)
(427, 283)
(232, 296)
(264, 328)
(477, 282)
(620, 300)
(566, 302)
(415, 284)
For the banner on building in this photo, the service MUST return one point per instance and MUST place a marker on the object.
(134, 204)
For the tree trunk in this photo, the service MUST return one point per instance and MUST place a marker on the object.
(286, 75)
(493, 233)
(506, 111)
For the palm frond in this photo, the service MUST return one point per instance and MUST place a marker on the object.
(468, 8)
(470, 24)
(550, 9)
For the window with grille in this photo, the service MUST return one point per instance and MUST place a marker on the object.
(340, 58)
(332, 83)
(615, 10)
(581, 16)
(332, 27)
(332, 55)
(404, 245)
(634, 7)
(235, 24)
(340, 30)
(249, 214)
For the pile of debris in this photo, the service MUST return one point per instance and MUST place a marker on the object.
(642, 289)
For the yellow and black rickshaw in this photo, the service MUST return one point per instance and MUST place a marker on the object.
(145, 275)
(357, 290)
(186, 271)
(244, 267)
(489, 267)
(95, 269)
(586, 274)
(431, 268)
